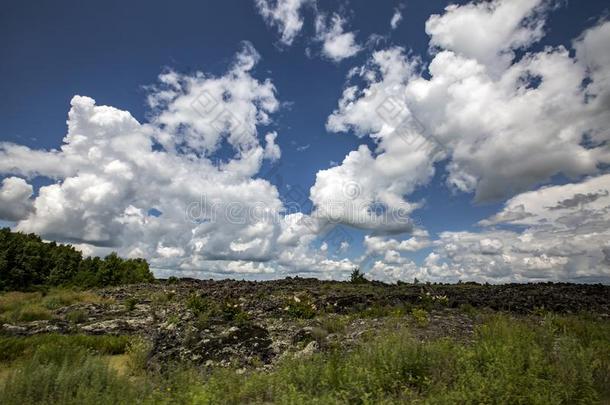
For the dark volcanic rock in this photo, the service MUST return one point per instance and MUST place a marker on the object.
(237, 345)
(249, 323)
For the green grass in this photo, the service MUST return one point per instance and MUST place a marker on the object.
(14, 348)
(26, 307)
(527, 360)
(65, 374)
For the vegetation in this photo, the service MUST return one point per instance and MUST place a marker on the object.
(18, 306)
(300, 306)
(27, 263)
(13, 348)
(555, 359)
(357, 277)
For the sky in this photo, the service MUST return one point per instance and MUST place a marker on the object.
(270, 138)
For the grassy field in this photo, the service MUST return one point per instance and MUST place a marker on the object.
(529, 360)
(18, 306)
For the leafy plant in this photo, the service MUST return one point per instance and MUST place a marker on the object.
(130, 303)
(357, 277)
(300, 306)
(421, 316)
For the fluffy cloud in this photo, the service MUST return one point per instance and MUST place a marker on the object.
(396, 19)
(556, 241)
(488, 32)
(197, 112)
(285, 15)
(15, 203)
(367, 189)
(336, 43)
(161, 190)
(503, 125)
(556, 233)
(378, 245)
(182, 190)
(272, 150)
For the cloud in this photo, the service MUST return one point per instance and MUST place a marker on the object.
(503, 128)
(15, 202)
(195, 163)
(488, 32)
(285, 15)
(544, 241)
(185, 189)
(378, 245)
(272, 150)
(196, 113)
(396, 19)
(383, 176)
(503, 125)
(336, 43)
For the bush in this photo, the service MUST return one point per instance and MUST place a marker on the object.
(357, 277)
(300, 306)
(130, 303)
(138, 352)
(209, 311)
(199, 304)
(421, 316)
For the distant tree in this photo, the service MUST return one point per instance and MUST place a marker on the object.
(26, 261)
(357, 277)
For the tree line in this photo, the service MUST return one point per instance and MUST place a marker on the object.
(26, 262)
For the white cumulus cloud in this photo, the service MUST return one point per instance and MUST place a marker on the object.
(336, 43)
(285, 15)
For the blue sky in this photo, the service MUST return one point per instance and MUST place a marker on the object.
(114, 53)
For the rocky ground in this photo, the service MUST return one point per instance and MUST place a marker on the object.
(253, 324)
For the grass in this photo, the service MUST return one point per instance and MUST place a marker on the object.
(529, 360)
(26, 307)
(64, 374)
(13, 348)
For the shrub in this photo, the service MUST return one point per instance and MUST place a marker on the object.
(557, 359)
(209, 311)
(421, 316)
(468, 309)
(25, 307)
(334, 323)
(198, 304)
(138, 352)
(130, 303)
(57, 298)
(300, 306)
(509, 361)
(33, 313)
(357, 277)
